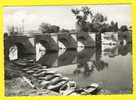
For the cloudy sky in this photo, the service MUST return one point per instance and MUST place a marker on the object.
(33, 16)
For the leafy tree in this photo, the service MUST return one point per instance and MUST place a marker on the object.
(47, 28)
(82, 19)
(44, 27)
(53, 29)
(105, 28)
(86, 24)
(113, 27)
(99, 18)
(123, 28)
(64, 30)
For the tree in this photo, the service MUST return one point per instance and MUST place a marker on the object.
(86, 24)
(105, 28)
(113, 26)
(99, 18)
(82, 23)
(64, 30)
(47, 28)
(54, 29)
(123, 28)
(44, 27)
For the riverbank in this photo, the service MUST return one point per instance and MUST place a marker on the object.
(15, 85)
(18, 87)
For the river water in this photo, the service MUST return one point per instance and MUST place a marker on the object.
(111, 67)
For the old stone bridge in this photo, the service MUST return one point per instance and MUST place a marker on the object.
(27, 44)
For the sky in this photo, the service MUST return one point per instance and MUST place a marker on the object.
(32, 16)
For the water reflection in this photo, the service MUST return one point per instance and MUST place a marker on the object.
(50, 59)
(124, 50)
(68, 58)
(86, 55)
(86, 68)
(108, 66)
(84, 58)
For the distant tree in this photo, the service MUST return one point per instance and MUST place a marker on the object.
(99, 18)
(113, 26)
(105, 28)
(123, 28)
(54, 29)
(47, 28)
(44, 27)
(64, 30)
(116, 28)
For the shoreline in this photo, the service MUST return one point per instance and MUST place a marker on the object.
(18, 87)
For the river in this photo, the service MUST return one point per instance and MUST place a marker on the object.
(111, 67)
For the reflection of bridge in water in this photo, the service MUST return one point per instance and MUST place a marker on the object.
(50, 53)
(86, 61)
(82, 62)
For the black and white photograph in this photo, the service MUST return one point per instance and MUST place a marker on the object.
(68, 50)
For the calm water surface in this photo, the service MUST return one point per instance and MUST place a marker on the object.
(110, 67)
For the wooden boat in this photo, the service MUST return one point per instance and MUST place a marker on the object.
(54, 80)
(43, 73)
(28, 60)
(46, 77)
(49, 77)
(39, 74)
(61, 79)
(68, 88)
(23, 63)
(44, 83)
(30, 72)
(92, 89)
(36, 66)
(89, 90)
(57, 86)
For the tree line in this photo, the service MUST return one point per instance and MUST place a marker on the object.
(86, 21)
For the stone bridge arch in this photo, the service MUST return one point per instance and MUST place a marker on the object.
(67, 40)
(48, 42)
(23, 44)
